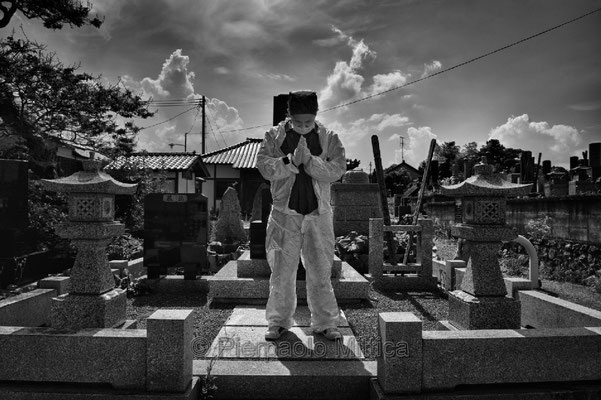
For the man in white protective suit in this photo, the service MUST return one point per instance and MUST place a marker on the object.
(301, 158)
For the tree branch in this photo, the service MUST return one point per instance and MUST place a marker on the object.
(7, 13)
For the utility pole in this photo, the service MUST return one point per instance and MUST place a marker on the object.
(402, 149)
(204, 110)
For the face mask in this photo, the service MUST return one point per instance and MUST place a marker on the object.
(302, 130)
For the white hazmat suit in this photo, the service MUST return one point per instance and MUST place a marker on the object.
(291, 234)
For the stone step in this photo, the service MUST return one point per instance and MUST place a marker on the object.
(255, 316)
(289, 379)
(253, 268)
(226, 286)
(299, 365)
(242, 337)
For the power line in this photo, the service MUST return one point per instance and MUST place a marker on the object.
(213, 132)
(444, 70)
(167, 120)
(216, 125)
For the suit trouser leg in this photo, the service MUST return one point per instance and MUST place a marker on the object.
(318, 255)
(283, 246)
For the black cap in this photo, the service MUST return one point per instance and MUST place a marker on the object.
(302, 102)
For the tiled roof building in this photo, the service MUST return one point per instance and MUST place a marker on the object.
(234, 164)
(161, 162)
(182, 169)
(241, 155)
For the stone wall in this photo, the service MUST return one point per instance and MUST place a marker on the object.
(574, 218)
(568, 260)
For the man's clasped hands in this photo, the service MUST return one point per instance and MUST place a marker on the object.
(302, 154)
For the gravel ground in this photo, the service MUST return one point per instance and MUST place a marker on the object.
(207, 320)
(362, 317)
(430, 307)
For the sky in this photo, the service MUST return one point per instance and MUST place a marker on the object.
(543, 95)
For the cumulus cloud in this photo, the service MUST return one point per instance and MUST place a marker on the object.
(416, 145)
(556, 141)
(345, 81)
(343, 84)
(354, 131)
(176, 82)
(432, 67)
(383, 82)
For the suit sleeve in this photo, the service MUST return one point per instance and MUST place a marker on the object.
(333, 167)
(270, 165)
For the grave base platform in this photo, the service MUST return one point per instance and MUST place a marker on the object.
(523, 391)
(59, 391)
(79, 311)
(469, 312)
(227, 287)
(299, 365)
(259, 267)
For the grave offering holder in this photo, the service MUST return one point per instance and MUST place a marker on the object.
(482, 302)
(92, 301)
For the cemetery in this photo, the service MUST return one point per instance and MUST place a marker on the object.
(186, 320)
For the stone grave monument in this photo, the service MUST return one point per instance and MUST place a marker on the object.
(229, 228)
(92, 301)
(258, 225)
(175, 233)
(354, 202)
(482, 303)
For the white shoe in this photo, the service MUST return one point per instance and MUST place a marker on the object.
(274, 332)
(331, 333)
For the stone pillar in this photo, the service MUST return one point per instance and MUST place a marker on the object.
(573, 162)
(169, 350)
(400, 356)
(425, 249)
(594, 151)
(92, 301)
(450, 277)
(546, 167)
(376, 247)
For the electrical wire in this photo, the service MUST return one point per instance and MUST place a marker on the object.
(167, 120)
(216, 125)
(213, 132)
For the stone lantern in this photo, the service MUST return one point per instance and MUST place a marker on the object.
(482, 302)
(92, 301)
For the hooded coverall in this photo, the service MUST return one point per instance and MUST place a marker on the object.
(291, 234)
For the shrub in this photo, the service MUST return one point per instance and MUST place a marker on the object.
(124, 247)
(513, 264)
(46, 211)
(539, 228)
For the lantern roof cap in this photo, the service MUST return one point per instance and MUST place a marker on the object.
(90, 180)
(485, 183)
